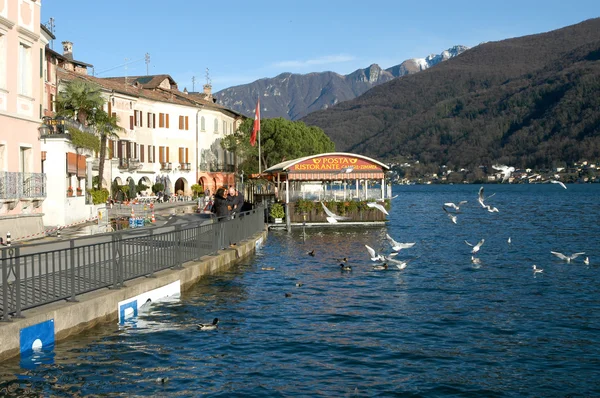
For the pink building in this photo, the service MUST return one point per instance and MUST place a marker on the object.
(22, 183)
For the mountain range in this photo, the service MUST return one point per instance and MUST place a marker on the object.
(292, 96)
(531, 101)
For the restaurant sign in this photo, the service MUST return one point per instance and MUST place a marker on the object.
(336, 163)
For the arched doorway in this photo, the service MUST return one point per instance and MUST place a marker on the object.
(181, 186)
(145, 181)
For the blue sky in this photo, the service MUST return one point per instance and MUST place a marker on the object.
(244, 41)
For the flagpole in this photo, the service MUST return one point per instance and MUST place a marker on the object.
(259, 160)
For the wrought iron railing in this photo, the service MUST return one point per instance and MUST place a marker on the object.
(123, 163)
(43, 273)
(185, 166)
(214, 167)
(61, 125)
(166, 166)
(17, 185)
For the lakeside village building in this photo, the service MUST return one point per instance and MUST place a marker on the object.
(169, 136)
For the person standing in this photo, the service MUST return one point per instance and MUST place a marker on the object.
(235, 200)
(220, 204)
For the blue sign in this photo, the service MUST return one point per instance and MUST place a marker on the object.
(36, 337)
(128, 310)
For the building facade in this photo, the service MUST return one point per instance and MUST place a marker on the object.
(22, 183)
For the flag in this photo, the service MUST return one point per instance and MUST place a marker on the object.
(256, 126)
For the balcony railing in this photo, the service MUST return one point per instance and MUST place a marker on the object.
(185, 166)
(61, 125)
(214, 167)
(17, 185)
(123, 163)
(166, 166)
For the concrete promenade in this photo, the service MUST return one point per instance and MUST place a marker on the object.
(103, 305)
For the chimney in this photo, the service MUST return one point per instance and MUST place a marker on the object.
(208, 90)
(185, 90)
(68, 50)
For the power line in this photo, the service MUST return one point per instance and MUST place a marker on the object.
(122, 65)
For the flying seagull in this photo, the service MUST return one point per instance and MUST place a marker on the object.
(559, 183)
(374, 256)
(452, 217)
(455, 206)
(476, 247)
(481, 198)
(506, 171)
(537, 270)
(378, 207)
(567, 258)
(331, 216)
(397, 246)
(492, 209)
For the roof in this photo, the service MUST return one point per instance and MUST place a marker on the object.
(148, 82)
(61, 56)
(118, 85)
(286, 166)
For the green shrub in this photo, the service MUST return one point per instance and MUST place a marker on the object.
(277, 210)
(99, 196)
(198, 190)
(158, 187)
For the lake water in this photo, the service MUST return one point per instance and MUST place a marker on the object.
(441, 327)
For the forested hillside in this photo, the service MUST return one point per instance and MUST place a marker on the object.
(529, 102)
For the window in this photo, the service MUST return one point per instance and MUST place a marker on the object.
(187, 125)
(25, 70)
(2, 60)
(142, 153)
(161, 120)
(202, 124)
(53, 102)
(216, 126)
(137, 115)
(151, 120)
(131, 122)
(151, 153)
(25, 160)
(224, 127)
(167, 121)
(2, 157)
(181, 122)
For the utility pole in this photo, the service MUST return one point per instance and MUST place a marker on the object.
(147, 60)
(193, 84)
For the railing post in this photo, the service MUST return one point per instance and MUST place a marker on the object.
(72, 273)
(178, 264)
(199, 241)
(151, 263)
(5, 317)
(117, 260)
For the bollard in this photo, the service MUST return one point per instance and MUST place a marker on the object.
(8, 239)
(58, 233)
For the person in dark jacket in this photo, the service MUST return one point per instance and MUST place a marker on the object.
(220, 205)
(235, 200)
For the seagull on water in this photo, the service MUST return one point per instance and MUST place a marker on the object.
(476, 247)
(559, 183)
(209, 326)
(397, 246)
(586, 261)
(331, 216)
(381, 267)
(475, 260)
(378, 207)
(345, 267)
(567, 258)
(452, 217)
(311, 253)
(506, 171)
(456, 207)
(509, 240)
(537, 270)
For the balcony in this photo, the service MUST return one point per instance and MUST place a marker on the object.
(167, 166)
(134, 164)
(216, 168)
(59, 127)
(123, 163)
(185, 166)
(17, 185)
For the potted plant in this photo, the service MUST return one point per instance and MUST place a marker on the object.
(277, 213)
(70, 191)
(79, 191)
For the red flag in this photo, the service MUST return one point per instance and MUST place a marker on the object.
(256, 127)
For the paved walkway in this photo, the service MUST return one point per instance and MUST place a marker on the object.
(165, 213)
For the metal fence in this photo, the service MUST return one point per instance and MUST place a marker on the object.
(16, 185)
(34, 275)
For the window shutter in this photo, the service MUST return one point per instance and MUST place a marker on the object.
(131, 122)
(135, 118)
(128, 150)
(181, 155)
(187, 126)
(153, 120)
(167, 148)
(137, 151)
(109, 108)
(180, 122)
(161, 120)
(186, 155)
(161, 155)
(142, 153)
(167, 123)
(153, 153)
(81, 171)
(120, 149)
(71, 163)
